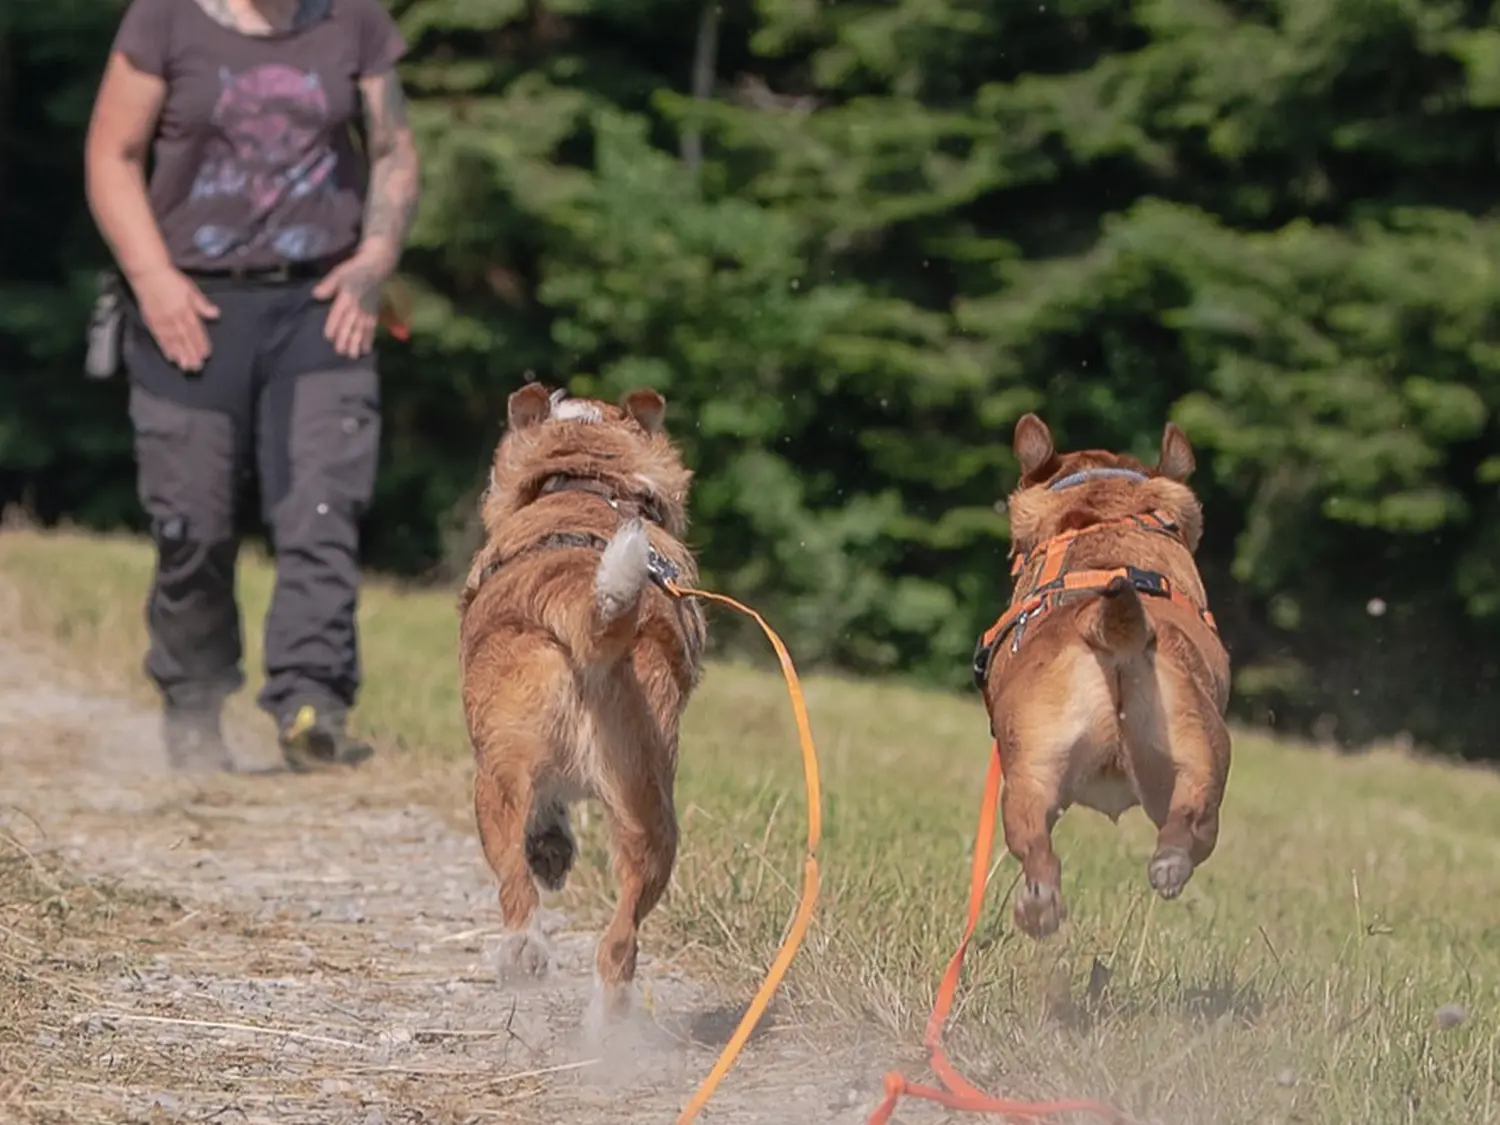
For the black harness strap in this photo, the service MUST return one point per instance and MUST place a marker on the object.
(663, 571)
(647, 507)
(548, 543)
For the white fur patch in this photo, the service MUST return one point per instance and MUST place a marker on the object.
(622, 570)
(576, 410)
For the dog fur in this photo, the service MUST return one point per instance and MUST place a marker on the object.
(576, 667)
(1112, 699)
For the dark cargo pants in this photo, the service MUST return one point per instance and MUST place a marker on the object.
(273, 398)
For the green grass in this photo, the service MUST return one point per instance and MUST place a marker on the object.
(1296, 979)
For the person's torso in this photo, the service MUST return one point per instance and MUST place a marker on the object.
(255, 164)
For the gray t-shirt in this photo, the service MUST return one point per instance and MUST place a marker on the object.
(254, 158)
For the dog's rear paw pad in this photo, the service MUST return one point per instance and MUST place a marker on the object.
(549, 854)
(1169, 871)
(1039, 909)
(524, 955)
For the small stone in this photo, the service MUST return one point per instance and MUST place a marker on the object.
(1450, 1016)
(1287, 1077)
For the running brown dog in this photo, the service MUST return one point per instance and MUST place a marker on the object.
(1105, 679)
(576, 667)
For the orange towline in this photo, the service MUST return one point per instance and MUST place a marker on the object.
(810, 874)
(958, 1092)
(394, 312)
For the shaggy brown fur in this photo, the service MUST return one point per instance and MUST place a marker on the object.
(576, 668)
(1110, 699)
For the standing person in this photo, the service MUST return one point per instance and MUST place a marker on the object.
(255, 259)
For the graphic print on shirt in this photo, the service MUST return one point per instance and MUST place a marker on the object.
(270, 150)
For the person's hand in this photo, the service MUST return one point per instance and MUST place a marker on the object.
(174, 310)
(354, 288)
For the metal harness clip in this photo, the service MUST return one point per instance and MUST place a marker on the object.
(1020, 627)
(663, 571)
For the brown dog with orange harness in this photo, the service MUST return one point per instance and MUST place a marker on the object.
(1105, 679)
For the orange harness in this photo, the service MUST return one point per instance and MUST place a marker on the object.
(1056, 582)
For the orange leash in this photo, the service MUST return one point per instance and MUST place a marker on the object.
(394, 312)
(959, 1093)
(803, 916)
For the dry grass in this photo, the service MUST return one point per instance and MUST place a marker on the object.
(58, 932)
(1297, 980)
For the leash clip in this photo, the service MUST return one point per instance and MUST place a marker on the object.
(662, 570)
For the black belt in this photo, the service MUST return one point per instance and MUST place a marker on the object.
(267, 275)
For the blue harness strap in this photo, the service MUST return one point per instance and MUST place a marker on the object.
(1090, 474)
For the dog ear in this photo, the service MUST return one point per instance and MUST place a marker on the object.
(648, 409)
(528, 406)
(1033, 446)
(1177, 461)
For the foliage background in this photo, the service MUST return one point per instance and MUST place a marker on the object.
(852, 242)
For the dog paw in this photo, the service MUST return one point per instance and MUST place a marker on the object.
(1169, 871)
(611, 1001)
(524, 955)
(1039, 909)
(549, 855)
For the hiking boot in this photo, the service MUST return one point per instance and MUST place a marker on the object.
(313, 740)
(194, 740)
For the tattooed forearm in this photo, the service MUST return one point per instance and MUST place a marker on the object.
(385, 112)
(395, 172)
(394, 193)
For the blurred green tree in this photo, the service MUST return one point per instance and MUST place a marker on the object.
(852, 243)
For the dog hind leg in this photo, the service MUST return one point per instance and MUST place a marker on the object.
(1189, 829)
(1029, 808)
(643, 827)
(502, 809)
(1179, 748)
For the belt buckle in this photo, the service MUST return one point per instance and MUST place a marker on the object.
(271, 275)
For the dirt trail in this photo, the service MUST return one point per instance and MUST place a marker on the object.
(319, 950)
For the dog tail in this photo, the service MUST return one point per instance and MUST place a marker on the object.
(1117, 622)
(624, 570)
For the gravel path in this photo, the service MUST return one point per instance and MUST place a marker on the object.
(319, 950)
